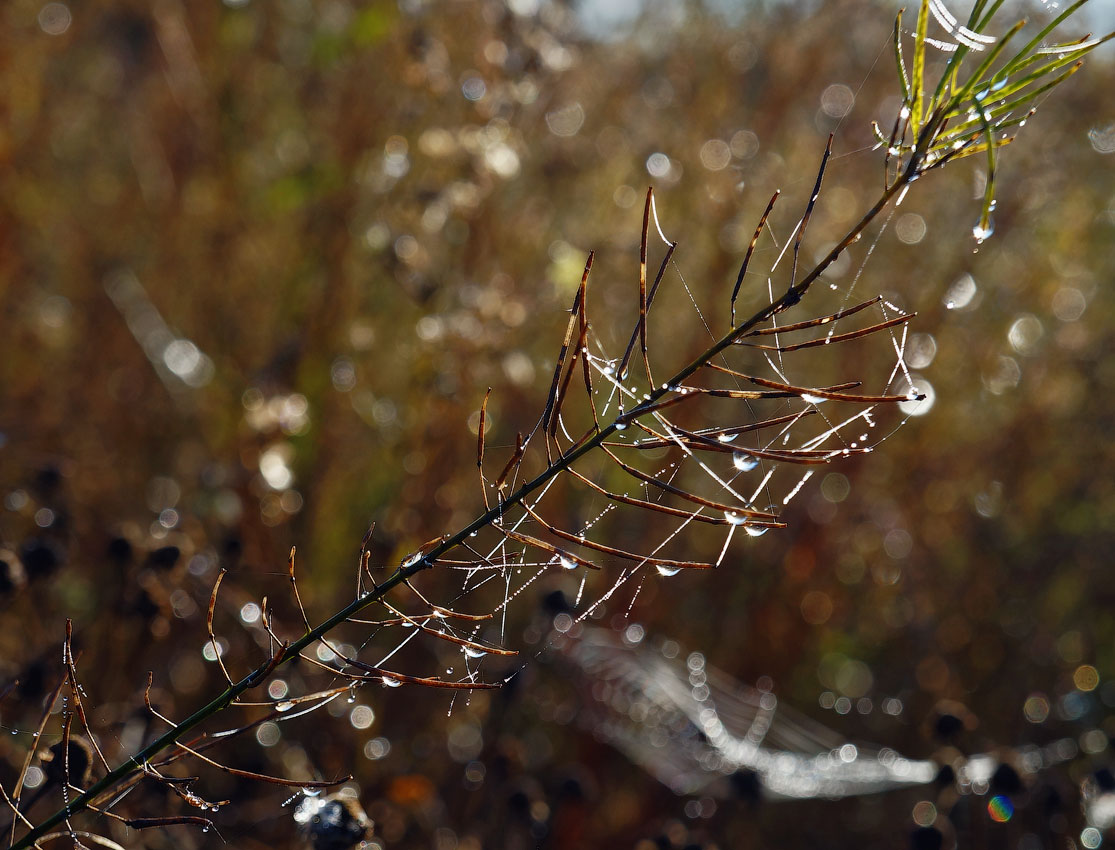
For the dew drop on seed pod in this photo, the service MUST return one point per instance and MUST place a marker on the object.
(285, 705)
(391, 683)
(668, 571)
(567, 563)
(981, 233)
(620, 426)
(473, 652)
(726, 438)
(813, 399)
(744, 462)
(734, 518)
(755, 530)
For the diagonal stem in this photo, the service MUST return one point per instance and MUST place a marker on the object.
(404, 572)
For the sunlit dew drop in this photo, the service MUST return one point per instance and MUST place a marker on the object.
(744, 462)
(620, 426)
(668, 571)
(981, 233)
(567, 563)
(391, 683)
(473, 652)
(734, 518)
(813, 399)
(285, 705)
(726, 438)
(755, 530)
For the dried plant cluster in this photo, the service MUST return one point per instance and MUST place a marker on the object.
(657, 459)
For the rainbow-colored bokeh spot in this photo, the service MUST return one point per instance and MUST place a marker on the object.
(1000, 808)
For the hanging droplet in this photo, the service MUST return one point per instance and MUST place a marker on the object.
(668, 571)
(744, 462)
(391, 683)
(755, 530)
(474, 652)
(566, 562)
(981, 233)
(734, 518)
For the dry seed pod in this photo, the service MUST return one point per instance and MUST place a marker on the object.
(335, 822)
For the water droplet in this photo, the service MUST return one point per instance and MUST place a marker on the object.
(744, 462)
(411, 560)
(668, 571)
(813, 399)
(474, 652)
(566, 562)
(620, 426)
(981, 233)
(755, 530)
(734, 518)
(726, 438)
(285, 705)
(391, 683)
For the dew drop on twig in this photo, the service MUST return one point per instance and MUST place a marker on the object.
(744, 462)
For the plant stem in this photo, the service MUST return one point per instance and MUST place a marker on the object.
(791, 297)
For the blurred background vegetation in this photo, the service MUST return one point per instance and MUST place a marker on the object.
(259, 262)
